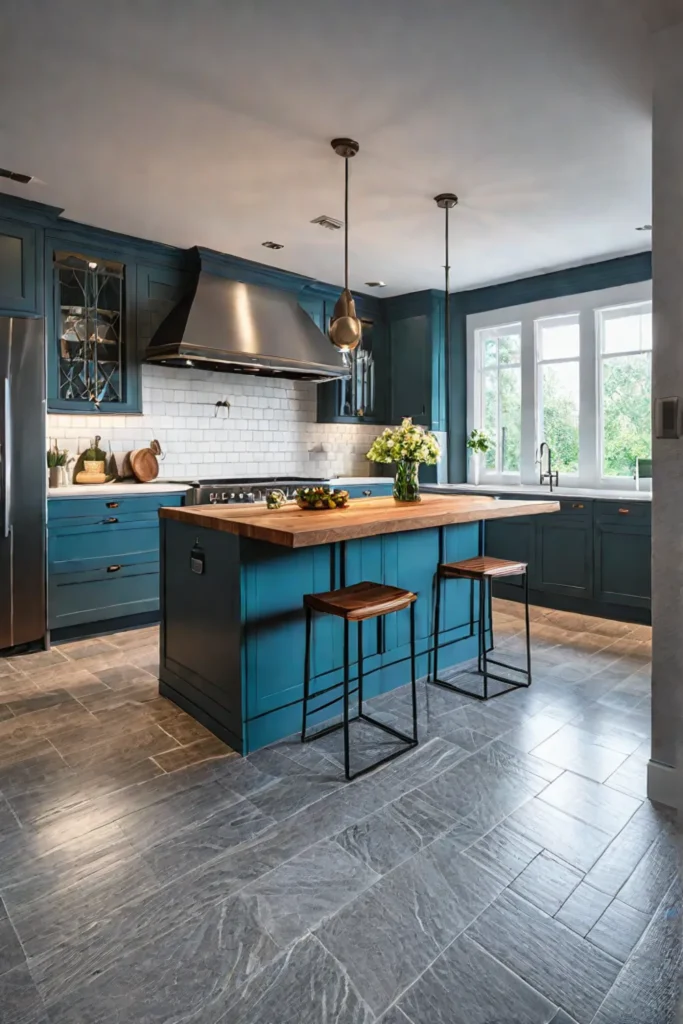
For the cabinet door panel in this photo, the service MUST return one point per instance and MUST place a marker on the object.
(564, 556)
(514, 539)
(623, 564)
(159, 290)
(17, 268)
(411, 369)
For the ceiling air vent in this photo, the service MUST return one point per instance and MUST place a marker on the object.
(273, 245)
(15, 176)
(328, 222)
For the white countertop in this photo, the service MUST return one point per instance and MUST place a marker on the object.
(89, 490)
(536, 489)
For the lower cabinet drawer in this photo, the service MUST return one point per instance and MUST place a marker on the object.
(109, 505)
(370, 491)
(106, 593)
(72, 549)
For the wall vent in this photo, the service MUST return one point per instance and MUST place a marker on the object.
(331, 223)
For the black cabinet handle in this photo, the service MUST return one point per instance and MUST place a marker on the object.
(112, 519)
(112, 504)
(114, 568)
(367, 494)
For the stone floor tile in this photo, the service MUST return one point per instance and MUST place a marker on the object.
(201, 750)
(587, 800)
(20, 1002)
(574, 841)
(568, 970)
(504, 853)
(582, 908)
(571, 751)
(466, 985)
(547, 882)
(618, 930)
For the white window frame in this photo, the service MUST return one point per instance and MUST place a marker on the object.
(495, 474)
(586, 305)
(606, 481)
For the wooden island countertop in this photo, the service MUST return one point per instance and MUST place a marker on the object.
(293, 527)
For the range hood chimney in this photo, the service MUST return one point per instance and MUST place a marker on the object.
(244, 328)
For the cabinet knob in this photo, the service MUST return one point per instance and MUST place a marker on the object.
(112, 504)
(577, 505)
(113, 568)
(624, 511)
(111, 519)
(367, 494)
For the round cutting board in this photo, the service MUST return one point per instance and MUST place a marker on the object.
(144, 463)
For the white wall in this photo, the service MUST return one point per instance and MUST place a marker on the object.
(270, 429)
(664, 782)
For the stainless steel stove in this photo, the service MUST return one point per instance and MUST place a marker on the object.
(238, 491)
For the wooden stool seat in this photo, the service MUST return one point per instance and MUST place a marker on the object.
(481, 566)
(361, 601)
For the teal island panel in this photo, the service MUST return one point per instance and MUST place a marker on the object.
(232, 643)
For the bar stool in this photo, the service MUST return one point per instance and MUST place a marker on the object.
(483, 570)
(356, 604)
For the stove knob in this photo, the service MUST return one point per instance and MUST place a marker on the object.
(232, 496)
(241, 496)
(224, 497)
(250, 497)
(213, 498)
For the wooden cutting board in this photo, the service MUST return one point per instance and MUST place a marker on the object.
(144, 462)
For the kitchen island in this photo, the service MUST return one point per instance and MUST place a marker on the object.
(232, 586)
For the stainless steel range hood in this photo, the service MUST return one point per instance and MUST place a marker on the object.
(244, 328)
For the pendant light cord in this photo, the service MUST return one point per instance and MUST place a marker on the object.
(447, 331)
(346, 223)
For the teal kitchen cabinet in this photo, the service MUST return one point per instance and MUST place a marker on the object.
(93, 364)
(103, 560)
(514, 539)
(417, 347)
(623, 553)
(18, 267)
(564, 551)
(363, 396)
(158, 291)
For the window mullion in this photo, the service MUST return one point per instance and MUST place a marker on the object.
(589, 420)
(529, 441)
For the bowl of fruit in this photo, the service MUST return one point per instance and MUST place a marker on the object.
(316, 499)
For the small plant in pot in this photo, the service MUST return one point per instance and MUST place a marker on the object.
(478, 443)
(94, 459)
(407, 446)
(57, 461)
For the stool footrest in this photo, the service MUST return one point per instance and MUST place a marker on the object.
(511, 685)
(387, 728)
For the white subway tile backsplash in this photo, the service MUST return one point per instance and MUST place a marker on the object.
(269, 428)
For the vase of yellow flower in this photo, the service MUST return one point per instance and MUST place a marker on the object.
(407, 446)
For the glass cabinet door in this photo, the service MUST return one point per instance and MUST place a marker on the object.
(90, 297)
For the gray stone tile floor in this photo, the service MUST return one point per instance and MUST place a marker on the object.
(507, 871)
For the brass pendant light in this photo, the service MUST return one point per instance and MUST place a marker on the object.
(446, 201)
(345, 328)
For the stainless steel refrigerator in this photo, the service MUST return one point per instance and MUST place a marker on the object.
(22, 481)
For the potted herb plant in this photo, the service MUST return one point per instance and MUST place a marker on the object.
(478, 443)
(57, 460)
(407, 447)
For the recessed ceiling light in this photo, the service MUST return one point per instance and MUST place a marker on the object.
(273, 245)
(644, 227)
(375, 284)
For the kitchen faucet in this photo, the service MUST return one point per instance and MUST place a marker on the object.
(547, 474)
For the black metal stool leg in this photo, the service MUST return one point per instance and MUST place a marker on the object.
(307, 672)
(437, 615)
(347, 767)
(491, 645)
(483, 668)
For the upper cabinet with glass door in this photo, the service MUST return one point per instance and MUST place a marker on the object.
(92, 365)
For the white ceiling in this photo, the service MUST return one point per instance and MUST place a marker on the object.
(208, 122)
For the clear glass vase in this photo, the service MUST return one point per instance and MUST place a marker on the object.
(406, 481)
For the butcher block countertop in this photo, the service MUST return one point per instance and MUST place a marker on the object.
(293, 527)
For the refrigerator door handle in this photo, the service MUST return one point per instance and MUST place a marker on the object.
(7, 457)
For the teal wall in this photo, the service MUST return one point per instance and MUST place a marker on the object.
(591, 277)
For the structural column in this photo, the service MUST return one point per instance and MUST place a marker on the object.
(665, 776)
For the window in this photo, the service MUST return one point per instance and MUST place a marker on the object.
(500, 350)
(557, 351)
(625, 345)
(573, 371)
